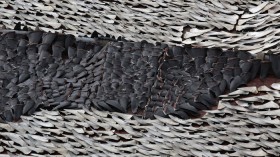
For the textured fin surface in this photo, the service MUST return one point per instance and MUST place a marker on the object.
(220, 132)
(56, 71)
(247, 25)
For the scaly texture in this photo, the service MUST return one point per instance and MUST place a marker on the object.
(242, 24)
(56, 71)
(45, 70)
(246, 123)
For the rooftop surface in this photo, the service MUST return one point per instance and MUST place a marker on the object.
(246, 123)
(247, 25)
(205, 47)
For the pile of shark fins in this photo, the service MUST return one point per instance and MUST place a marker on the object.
(55, 71)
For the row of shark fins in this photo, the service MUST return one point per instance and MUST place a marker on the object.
(191, 80)
(54, 71)
(20, 27)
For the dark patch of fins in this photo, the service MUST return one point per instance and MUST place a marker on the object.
(54, 71)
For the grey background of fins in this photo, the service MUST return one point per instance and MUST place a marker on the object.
(248, 129)
(201, 23)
